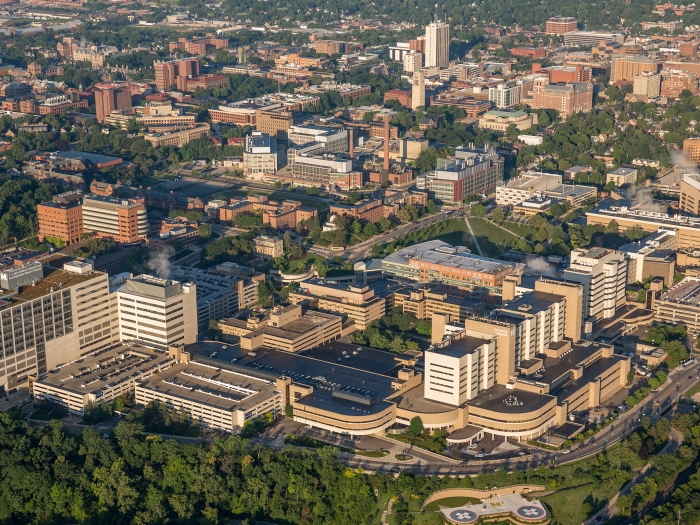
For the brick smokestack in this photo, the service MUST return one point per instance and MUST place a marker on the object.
(351, 139)
(387, 136)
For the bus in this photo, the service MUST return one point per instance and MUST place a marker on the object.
(688, 362)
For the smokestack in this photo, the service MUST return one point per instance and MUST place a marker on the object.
(387, 136)
(352, 142)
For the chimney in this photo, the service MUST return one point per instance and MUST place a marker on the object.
(351, 140)
(510, 284)
(387, 138)
(536, 68)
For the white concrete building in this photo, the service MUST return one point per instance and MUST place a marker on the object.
(412, 60)
(603, 274)
(159, 311)
(437, 44)
(526, 187)
(259, 154)
(418, 90)
(505, 95)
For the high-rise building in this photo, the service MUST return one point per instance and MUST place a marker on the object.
(418, 89)
(623, 68)
(505, 95)
(674, 82)
(167, 73)
(110, 98)
(437, 44)
(260, 154)
(121, 220)
(158, 311)
(61, 219)
(603, 274)
(59, 317)
(412, 60)
(570, 98)
(558, 25)
(648, 84)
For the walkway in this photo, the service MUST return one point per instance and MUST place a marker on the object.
(512, 233)
(476, 243)
(675, 439)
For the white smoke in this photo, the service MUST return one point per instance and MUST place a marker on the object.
(643, 200)
(684, 163)
(539, 266)
(159, 261)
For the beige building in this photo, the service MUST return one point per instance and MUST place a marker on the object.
(412, 61)
(647, 84)
(679, 305)
(153, 114)
(159, 311)
(691, 149)
(176, 135)
(624, 68)
(361, 304)
(621, 176)
(260, 154)
(690, 194)
(289, 329)
(500, 120)
(101, 377)
(423, 302)
(418, 89)
(267, 246)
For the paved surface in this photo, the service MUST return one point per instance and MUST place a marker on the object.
(476, 242)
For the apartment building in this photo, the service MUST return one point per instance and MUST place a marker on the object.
(691, 148)
(574, 97)
(674, 82)
(121, 220)
(61, 219)
(176, 134)
(159, 311)
(369, 210)
(559, 25)
(412, 61)
(270, 247)
(418, 89)
(109, 98)
(647, 84)
(167, 73)
(623, 68)
(259, 154)
(437, 44)
(603, 274)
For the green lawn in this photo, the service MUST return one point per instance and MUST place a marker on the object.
(567, 505)
(524, 230)
(452, 231)
(493, 240)
(457, 501)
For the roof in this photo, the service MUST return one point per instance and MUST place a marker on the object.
(461, 347)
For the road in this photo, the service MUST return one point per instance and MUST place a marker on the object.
(362, 250)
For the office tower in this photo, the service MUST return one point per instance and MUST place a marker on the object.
(61, 219)
(158, 311)
(412, 60)
(111, 98)
(118, 219)
(418, 90)
(648, 84)
(437, 45)
(603, 274)
(505, 95)
(60, 315)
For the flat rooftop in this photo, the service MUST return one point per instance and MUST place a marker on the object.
(461, 347)
(443, 254)
(503, 400)
(531, 303)
(54, 280)
(361, 357)
(310, 320)
(106, 368)
(685, 292)
(219, 388)
(540, 182)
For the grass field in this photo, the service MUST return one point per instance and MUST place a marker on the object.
(493, 240)
(451, 502)
(523, 230)
(567, 504)
(452, 231)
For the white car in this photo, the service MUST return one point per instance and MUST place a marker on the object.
(566, 451)
(480, 455)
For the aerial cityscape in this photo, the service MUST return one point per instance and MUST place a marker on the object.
(400, 263)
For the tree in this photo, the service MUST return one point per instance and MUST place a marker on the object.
(415, 427)
(204, 231)
(278, 185)
(370, 229)
(498, 215)
(478, 210)
(424, 327)
(543, 119)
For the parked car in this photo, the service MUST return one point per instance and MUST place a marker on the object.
(480, 455)
(567, 451)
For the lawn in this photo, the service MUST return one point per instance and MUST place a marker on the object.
(452, 231)
(457, 501)
(524, 230)
(41, 415)
(567, 505)
(493, 240)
